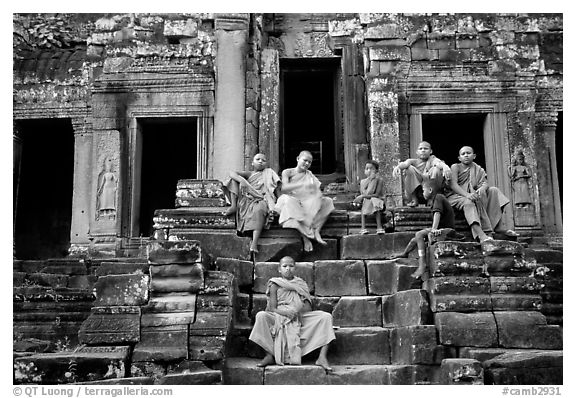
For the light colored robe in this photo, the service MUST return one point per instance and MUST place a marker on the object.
(428, 170)
(368, 186)
(304, 208)
(487, 211)
(288, 340)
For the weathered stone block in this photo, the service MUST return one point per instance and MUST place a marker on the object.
(507, 265)
(188, 284)
(125, 381)
(163, 343)
(528, 367)
(288, 374)
(166, 319)
(242, 309)
(389, 53)
(340, 278)
(214, 302)
(171, 303)
(527, 329)
(456, 249)
(417, 345)
(452, 285)
(148, 369)
(216, 244)
(448, 266)
(460, 303)
(167, 252)
(513, 285)
(360, 346)
(373, 247)
(441, 42)
(218, 283)
(423, 54)
(259, 302)
(264, 271)
(484, 354)
(118, 290)
(242, 371)
(382, 277)
(406, 308)
(516, 302)
(501, 247)
(91, 363)
(111, 325)
(211, 324)
(461, 371)
(413, 374)
(276, 248)
(450, 55)
(183, 201)
(195, 271)
(120, 268)
(206, 348)
(358, 311)
(457, 329)
(358, 375)
(242, 270)
(82, 281)
(44, 279)
(200, 377)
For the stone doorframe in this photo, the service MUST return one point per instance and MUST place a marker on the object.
(352, 106)
(495, 138)
(133, 153)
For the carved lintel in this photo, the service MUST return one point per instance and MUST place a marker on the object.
(231, 21)
(82, 125)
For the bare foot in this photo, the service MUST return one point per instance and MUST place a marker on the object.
(267, 360)
(324, 363)
(254, 248)
(319, 238)
(307, 244)
(231, 210)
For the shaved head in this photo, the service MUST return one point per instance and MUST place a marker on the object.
(467, 147)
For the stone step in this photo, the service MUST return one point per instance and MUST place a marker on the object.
(44, 293)
(244, 371)
(84, 364)
(373, 247)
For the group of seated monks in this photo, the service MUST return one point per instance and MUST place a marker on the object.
(259, 194)
(289, 328)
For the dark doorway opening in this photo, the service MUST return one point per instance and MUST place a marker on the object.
(169, 153)
(559, 155)
(447, 133)
(43, 190)
(310, 116)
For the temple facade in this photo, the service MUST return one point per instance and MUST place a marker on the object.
(110, 111)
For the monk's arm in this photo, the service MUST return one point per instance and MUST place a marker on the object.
(454, 183)
(446, 172)
(273, 304)
(287, 185)
(306, 306)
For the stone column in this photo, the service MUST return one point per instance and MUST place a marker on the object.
(229, 118)
(384, 135)
(81, 195)
(269, 134)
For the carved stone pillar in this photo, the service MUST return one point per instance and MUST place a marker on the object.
(81, 194)
(229, 119)
(548, 178)
(269, 134)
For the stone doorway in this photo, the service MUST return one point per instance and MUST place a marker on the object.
(310, 113)
(43, 188)
(447, 133)
(166, 151)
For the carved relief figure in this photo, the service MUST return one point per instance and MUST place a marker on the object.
(106, 197)
(519, 175)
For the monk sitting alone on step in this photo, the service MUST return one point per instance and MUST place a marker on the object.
(482, 204)
(288, 329)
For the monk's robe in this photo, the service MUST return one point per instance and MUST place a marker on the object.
(304, 208)
(429, 170)
(253, 212)
(487, 211)
(290, 339)
(370, 186)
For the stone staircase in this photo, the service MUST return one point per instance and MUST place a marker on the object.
(183, 314)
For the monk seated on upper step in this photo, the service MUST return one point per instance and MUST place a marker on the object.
(482, 205)
(252, 195)
(302, 205)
